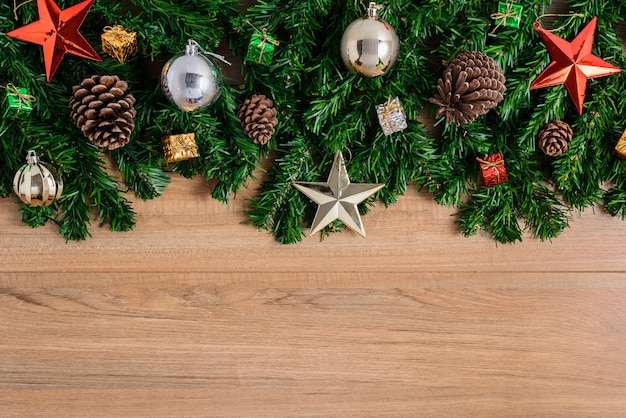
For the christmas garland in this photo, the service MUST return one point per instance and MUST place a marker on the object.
(532, 192)
(511, 159)
(162, 29)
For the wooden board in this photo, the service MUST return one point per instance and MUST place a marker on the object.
(197, 314)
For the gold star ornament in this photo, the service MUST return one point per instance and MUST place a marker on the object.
(338, 198)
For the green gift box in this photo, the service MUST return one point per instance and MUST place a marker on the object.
(509, 14)
(261, 48)
(18, 103)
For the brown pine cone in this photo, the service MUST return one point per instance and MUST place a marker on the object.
(471, 85)
(258, 118)
(103, 110)
(554, 137)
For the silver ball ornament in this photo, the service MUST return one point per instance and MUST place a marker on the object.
(37, 183)
(370, 45)
(191, 81)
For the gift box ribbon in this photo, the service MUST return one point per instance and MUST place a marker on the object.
(388, 108)
(486, 164)
(502, 17)
(262, 34)
(13, 91)
(119, 33)
(119, 37)
(180, 147)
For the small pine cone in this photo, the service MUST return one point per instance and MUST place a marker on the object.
(103, 110)
(471, 85)
(258, 118)
(554, 137)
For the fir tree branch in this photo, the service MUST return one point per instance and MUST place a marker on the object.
(322, 109)
(90, 187)
(279, 206)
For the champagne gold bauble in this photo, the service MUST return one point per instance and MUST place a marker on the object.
(369, 45)
(37, 183)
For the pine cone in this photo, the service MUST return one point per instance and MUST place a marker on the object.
(258, 118)
(471, 85)
(553, 138)
(103, 110)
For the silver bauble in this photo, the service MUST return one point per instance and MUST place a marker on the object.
(37, 183)
(191, 81)
(369, 45)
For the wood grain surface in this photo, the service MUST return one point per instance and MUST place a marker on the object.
(195, 313)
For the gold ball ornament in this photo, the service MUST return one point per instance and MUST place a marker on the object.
(37, 183)
(370, 45)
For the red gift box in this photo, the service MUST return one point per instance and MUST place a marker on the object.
(493, 169)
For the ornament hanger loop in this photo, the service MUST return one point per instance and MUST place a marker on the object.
(572, 16)
(263, 32)
(373, 8)
(17, 6)
(193, 47)
(349, 151)
(31, 157)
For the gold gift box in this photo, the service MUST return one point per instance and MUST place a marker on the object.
(180, 147)
(118, 42)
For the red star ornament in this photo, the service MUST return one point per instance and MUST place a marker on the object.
(57, 32)
(572, 63)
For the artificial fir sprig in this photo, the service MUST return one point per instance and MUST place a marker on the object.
(164, 26)
(323, 109)
(536, 183)
(326, 109)
(225, 152)
(280, 207)
(500, 208)
(590, 161)
(579, 172)
(91, 188)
